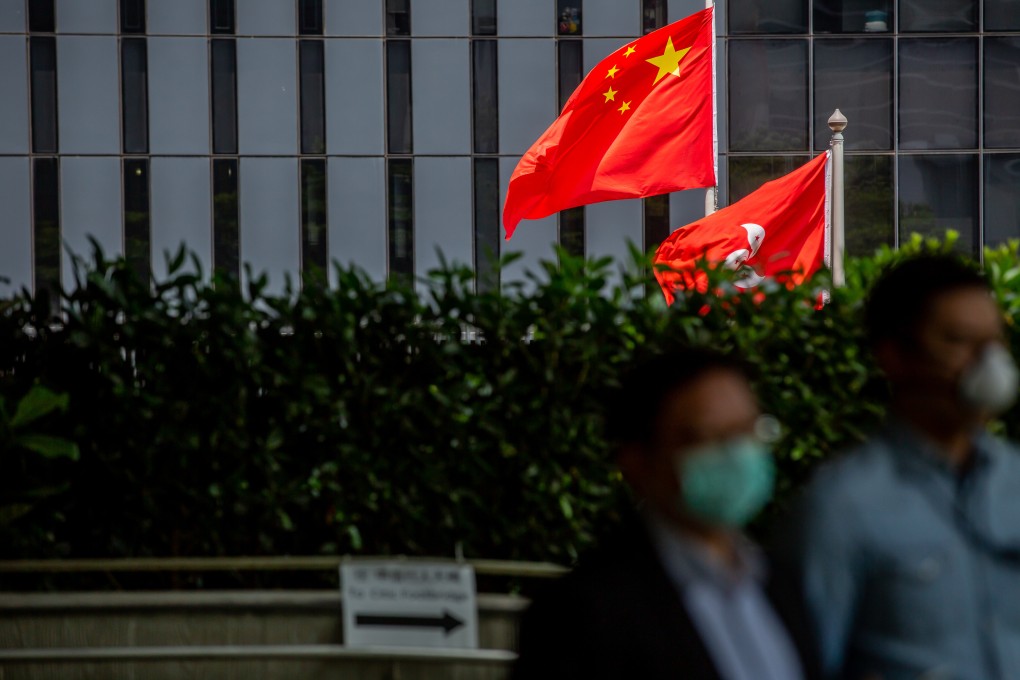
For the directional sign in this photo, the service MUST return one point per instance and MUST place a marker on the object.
(409, 604)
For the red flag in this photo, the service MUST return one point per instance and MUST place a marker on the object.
(641, 123)
(778, 229)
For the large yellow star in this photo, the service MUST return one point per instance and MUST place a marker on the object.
(610, 95)
(668, 61)
(612, 72)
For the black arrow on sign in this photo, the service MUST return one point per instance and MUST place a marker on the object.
(448, 622)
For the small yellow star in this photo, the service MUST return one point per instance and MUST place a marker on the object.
(610, 95)
(630, 51)
(625, 107)
(612, 72)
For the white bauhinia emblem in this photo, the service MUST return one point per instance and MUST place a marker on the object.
(737, 259)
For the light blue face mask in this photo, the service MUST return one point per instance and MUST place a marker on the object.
(728, 483)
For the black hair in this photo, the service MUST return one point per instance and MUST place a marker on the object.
(636, 406)
(904, 292)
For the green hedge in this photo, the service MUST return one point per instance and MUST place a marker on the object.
(363, 418)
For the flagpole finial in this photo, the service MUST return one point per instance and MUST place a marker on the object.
(837, 121)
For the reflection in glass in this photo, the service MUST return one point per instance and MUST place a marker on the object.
(41, 16)
(656, 220)
(869, 205)
(401, 218)
(854, 76)
(136, 215)
(132, 16)
(938, 15)
(748, 173)
(221, 16)
(571, 68)
(853, 16)
(486, 199)
(483, 17)
(314, 243)
(46, 228)
(44, 94)
(938, 93)
(485, 111)
(768, 16)
(768, 95)
(1002, 92)
(313, 97)
(224, 96)
(398, 17)
(572, 231)
(938, 193)
(1002, 15)
(134, 95)
(654, 15)
(1002, 200)
(568, 13)
(310, 17)
(398, 96)
(226, 247)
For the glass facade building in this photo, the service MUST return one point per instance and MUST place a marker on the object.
(289, 133)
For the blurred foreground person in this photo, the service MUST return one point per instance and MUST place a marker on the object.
(910, 548)
(678, 592)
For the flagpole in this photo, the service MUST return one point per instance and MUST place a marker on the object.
(712, 193)
(837, 123)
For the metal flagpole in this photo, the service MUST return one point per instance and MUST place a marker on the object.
(837, 123)
(712, 193)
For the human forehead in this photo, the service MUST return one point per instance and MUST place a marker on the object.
(716, 405)
(965, 311)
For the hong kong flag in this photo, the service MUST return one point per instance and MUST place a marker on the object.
(641, 123)
(778, 230)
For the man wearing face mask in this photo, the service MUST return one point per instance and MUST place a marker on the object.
(678, 592)
(910, 545)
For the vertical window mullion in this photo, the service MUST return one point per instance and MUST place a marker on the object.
(224, 95)
(46, 229)
(570, 64)
(310, 17)
(400, 175)
(654, 15)
(134, 95)
(398, 97)
(314, 235)
(313, 97)
(43, 55)
(398, 17)
(226, 238)
(132, 16)
(137, 238)
(221, 17)
(483, 17)
(41, 16)
(485, 96)
(656, 220)
(487, 223)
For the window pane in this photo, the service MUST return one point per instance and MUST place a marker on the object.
(1002, 200)
(44, 95)
(869, 204)
(134, 95)
(768, 16)
(569, 14)
(224, 96)
(1002, 15)
(938, 15)
(132, 16)
(654, 15)
(313, 97)
(938, 93)
(748, 173)
(41, 16)
(572, 231)
(487, 225)
(401, 220)
(221, 16)
(398, 17)
(398, 96)
(486, 98)
(768, 95)
(656, 220)
(1002, 92)
(136, 215)
(571, 67)
(938, 193)
(310, 17)
(854, 76)
(853, 16)
(46, 227)
(314, 245)
(225, 210)
(483, 17)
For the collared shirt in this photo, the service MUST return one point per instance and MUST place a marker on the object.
(744, 637)
(912, 570)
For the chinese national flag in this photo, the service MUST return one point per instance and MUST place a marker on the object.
(778, 230)
(641, 123)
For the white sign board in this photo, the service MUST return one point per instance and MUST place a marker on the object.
(409, 604)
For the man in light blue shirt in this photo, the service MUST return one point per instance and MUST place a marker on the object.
(910, 545)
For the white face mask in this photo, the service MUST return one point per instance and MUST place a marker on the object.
(990, 383)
